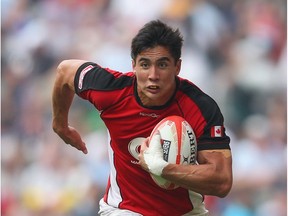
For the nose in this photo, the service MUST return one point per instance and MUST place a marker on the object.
(153, 73)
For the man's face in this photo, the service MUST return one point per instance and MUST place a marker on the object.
(155, 70)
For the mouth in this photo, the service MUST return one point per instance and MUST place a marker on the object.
(153, 89)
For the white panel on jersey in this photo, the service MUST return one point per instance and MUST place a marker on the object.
(114, 197)
(198, 205)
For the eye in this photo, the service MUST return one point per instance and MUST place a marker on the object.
(144, 65)
(162, 65)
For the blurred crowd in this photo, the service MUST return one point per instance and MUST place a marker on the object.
(233, 50)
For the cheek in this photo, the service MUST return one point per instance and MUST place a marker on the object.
(141, 77)
(169, 77)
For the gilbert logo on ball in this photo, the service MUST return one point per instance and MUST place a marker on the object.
(179, 145)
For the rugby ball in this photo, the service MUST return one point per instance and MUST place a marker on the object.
(179, 145)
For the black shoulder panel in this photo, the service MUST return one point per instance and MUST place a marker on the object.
(98, 78)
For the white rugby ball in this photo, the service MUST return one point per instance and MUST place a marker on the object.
(179, 145)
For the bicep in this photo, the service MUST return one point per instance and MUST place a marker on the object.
(67, 70)
(221, 159)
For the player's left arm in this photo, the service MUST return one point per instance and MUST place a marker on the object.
(213, 175)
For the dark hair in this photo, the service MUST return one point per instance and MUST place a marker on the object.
(156, 33)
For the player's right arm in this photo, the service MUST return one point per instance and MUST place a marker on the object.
(62, 97)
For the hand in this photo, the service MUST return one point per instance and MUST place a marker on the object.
(151, 157)
(143, 147)
(73, 138)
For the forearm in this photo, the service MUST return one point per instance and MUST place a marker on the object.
(207, 179)
(62, 97)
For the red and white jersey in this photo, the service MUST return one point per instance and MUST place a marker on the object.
(128, 121)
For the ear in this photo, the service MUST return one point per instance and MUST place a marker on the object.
(178, 66)
(133, 65)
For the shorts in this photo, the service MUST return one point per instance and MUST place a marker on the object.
(107, 210)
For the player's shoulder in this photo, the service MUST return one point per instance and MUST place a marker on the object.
(92, 76)
(192, 91)
(95, 67)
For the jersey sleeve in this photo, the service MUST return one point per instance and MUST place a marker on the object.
(205, 117)
(214, 133)
(101, 86)
(84, 73)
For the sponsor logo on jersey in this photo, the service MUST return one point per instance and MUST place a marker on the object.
(134, 147)
(82, 75)
(152, 115)
(217, 131)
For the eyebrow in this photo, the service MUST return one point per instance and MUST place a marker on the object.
(160, 59)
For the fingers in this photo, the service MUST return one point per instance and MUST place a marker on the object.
(144, 145)
(153, 155)
(155, 142)
(74, 139)
(81, 147)
(84, 149)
